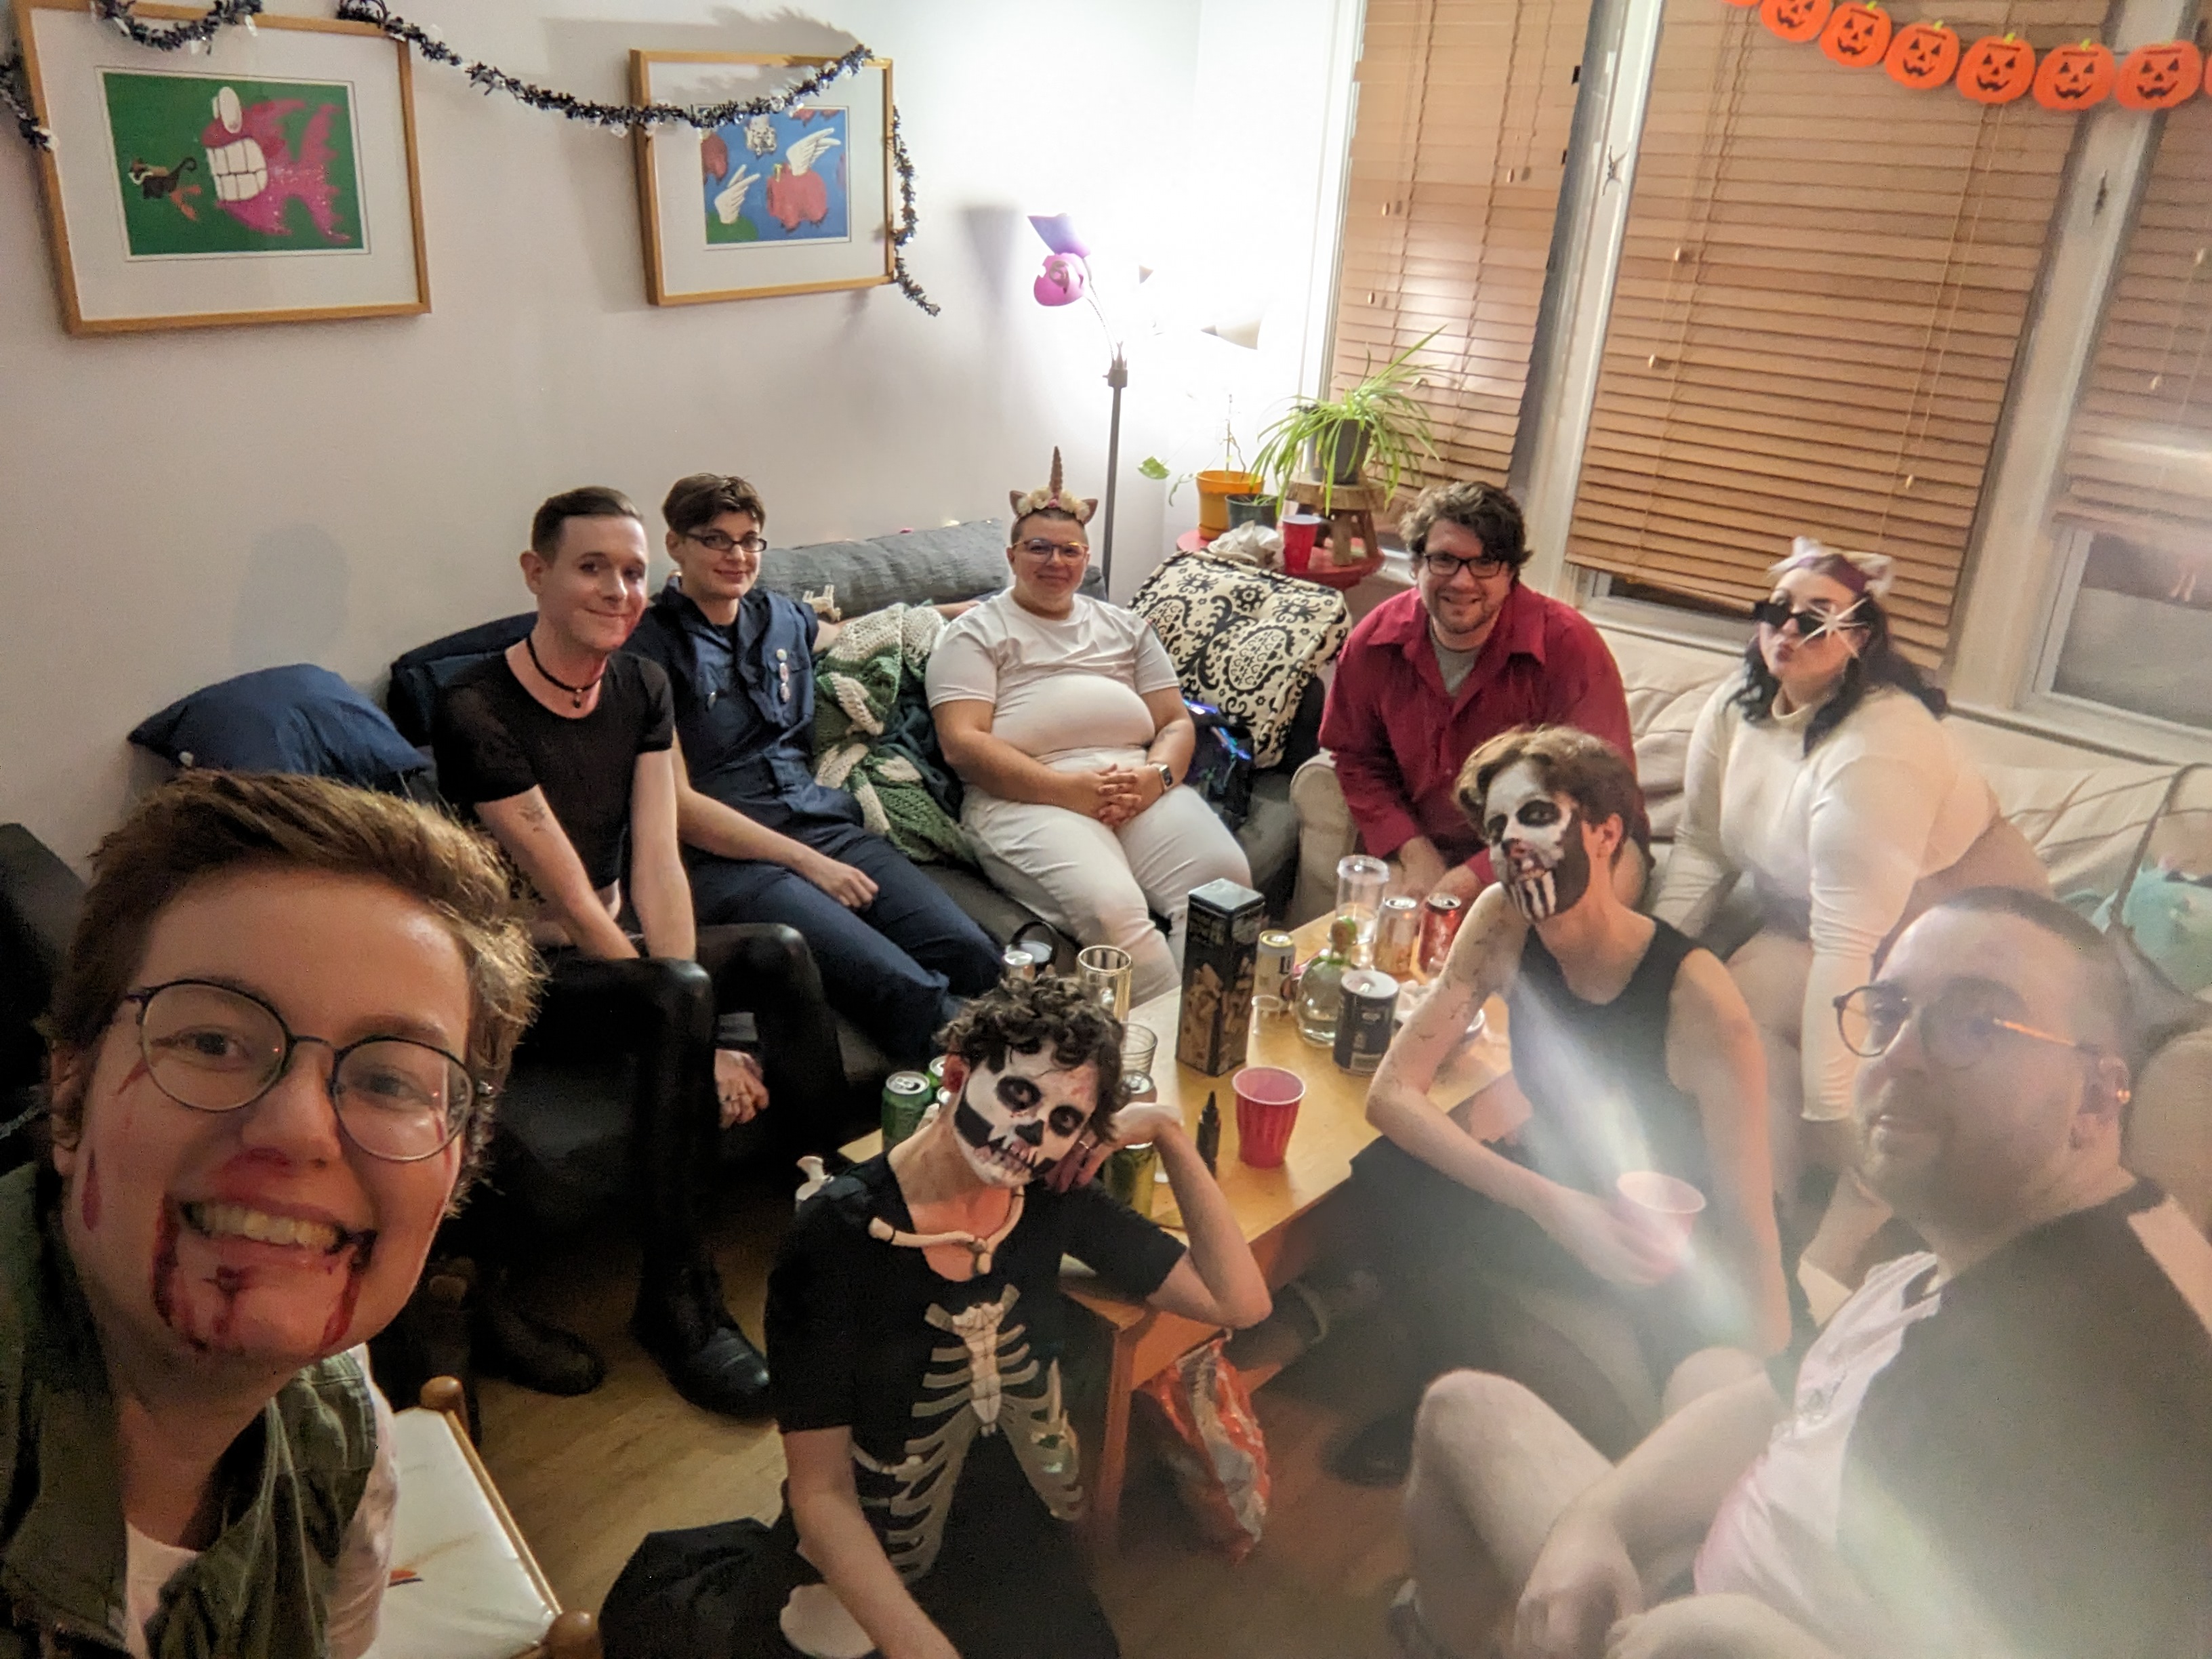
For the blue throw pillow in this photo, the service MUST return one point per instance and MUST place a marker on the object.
(299, 719)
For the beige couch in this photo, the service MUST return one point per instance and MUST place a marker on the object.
(2085, 814)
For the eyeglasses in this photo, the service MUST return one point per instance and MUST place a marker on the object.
(1954, 1033)
(216, 1049)
(715, 542)
(1810, 624)
(1443, 567)
(1038, 548)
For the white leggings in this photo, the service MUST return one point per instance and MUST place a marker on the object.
(1100, 886)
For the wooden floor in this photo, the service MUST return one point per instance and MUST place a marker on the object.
(587, 1478)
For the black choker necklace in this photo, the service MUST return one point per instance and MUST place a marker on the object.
(576, 693)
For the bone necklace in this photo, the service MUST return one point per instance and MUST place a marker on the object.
(982, 1249)
(576, 693)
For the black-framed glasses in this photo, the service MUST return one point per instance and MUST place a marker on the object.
(215, 1048)
(715, 541)
(1038, 548)
(1809, 624)
(1957, 1029)
(1444, 566)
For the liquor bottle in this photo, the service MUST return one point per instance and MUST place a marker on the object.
(1321, 983)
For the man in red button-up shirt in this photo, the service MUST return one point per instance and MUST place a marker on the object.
(1430, 675)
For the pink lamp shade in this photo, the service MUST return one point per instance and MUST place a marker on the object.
(1060, 281)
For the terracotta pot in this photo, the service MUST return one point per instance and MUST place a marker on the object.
(1214, 489)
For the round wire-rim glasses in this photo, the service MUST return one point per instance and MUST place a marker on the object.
(1954, 1033)
(1044, 552)
(215, 1048)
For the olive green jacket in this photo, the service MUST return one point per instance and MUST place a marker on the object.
(290, 1482)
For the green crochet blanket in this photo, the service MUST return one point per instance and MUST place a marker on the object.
(874, 737)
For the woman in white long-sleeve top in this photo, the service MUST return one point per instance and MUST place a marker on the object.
(1822, 772)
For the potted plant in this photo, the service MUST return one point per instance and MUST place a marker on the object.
(1335, 440)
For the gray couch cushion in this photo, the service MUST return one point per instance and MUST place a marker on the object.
(913, 567)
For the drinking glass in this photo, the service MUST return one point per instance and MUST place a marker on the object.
(1104, 973)
(1360, 879)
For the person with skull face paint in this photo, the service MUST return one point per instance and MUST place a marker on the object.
(1822, 774)
(274, 1044)
(915, 1328)
(1502, 1229)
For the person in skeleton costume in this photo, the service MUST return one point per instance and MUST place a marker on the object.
(1509, 1242)
(914, 1328)
(1824, 776)
(1064, 716)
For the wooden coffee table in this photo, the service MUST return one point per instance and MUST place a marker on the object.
(1288, 1214)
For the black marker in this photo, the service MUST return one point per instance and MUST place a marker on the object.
(1209, 1135)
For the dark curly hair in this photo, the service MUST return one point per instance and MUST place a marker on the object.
(1489, 514)
(1027, 1017)
(1878, 663)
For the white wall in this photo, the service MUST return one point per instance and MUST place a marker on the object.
(178, 507)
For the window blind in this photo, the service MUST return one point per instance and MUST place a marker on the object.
(2139, 453)
(1822, 287)
(1458, 154)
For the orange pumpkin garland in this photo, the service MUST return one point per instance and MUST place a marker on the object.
(1794, 19)
(2160, 76)
(1996, 69)
(1858, 35)
(1922, 56)
(2073, 77)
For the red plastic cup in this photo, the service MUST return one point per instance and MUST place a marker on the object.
(1299, 530)
(1666, 1207)
(1268, 1099)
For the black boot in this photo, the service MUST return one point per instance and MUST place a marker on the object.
(528, 1350)
(680, 1321)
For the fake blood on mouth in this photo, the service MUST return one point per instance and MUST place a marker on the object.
(164, 1273)
(341, 1319)
(88, 1197)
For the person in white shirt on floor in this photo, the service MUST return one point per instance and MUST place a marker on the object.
(1063, 716)
(1822, 774)
(2000, 1447)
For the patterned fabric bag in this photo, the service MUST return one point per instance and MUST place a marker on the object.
(874, 737)
(1245, 642)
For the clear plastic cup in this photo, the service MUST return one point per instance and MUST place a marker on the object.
(1360, 880)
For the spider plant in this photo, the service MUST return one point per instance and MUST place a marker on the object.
(1378, 422)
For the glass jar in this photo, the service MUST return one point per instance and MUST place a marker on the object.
(1321, 984)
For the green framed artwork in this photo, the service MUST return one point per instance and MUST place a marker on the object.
(272, 179)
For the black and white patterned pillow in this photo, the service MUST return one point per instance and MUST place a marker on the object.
(1245, 640)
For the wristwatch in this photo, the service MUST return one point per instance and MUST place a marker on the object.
(1167, 775)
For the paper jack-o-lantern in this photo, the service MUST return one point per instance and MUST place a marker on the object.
(1856, 35)
(2073, 77)
(1996, 69)
(1922, 56)
(1794, 19)
(2160, 76)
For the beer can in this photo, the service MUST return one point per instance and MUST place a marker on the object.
(1363, 1029)
(906, 1097)
(1439, 925)
(1271, 973)
(937, 1072)
(1398, 936)
(1018, 964)
(1130, 1175)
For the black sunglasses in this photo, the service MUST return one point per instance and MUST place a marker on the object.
(1810, 624)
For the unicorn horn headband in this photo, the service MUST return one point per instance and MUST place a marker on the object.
(1053, 494)
(1862, 573)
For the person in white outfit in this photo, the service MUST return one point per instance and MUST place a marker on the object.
(1822, 774)
(1063, 716)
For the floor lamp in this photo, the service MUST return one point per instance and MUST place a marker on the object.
(1066, 279)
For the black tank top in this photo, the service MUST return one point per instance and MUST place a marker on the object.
(1595, 1072)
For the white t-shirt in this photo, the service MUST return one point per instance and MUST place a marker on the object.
(1845, 832)
(1058, 690)
(364, 1557)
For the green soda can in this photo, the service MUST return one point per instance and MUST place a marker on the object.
(1129, 1176)
(907, 1096)
(937, 1072)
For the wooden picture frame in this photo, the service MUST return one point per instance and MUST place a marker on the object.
(272, 177)
(797, 202)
